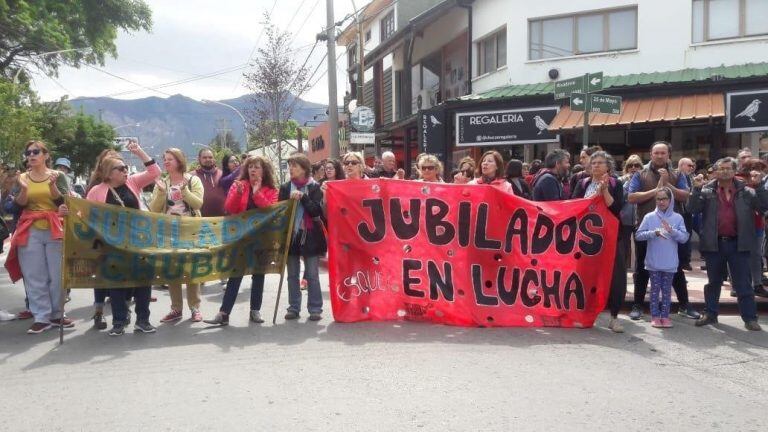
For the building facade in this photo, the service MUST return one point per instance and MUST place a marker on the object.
(459, 77)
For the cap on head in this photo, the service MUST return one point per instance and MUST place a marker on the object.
(63, 162)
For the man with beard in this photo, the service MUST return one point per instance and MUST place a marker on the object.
(548, 182)
(209, 174)
(658, 173)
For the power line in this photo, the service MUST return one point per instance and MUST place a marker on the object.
(128, 81)
(184, 81)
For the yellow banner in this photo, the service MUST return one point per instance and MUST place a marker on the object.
(107, 246)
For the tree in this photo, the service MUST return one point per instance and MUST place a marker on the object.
(276, 82)
(29, 28)
(80, 139)
(225, 141)
(18, 121)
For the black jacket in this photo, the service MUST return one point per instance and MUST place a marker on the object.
(311, 242)
(704, 199)
(615, 188)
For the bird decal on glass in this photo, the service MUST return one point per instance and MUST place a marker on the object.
(541, 125)
(750, 110)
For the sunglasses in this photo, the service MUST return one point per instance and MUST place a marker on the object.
(120, 168)
(35, 152)
(427, 168)
(662, 199)
(634, 166)
(351, 162)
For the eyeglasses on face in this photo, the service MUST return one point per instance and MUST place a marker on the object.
(427, 167)
(662, 199)
(351, 162)
(634, 165)
(122, 168)
(35, 152)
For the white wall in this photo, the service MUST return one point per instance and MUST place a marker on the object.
(439, 33)
(663, 44)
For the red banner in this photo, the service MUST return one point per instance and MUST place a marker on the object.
(466, 255)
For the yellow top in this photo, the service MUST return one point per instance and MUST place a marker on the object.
(39, 198)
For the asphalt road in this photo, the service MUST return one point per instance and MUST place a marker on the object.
(376, 376)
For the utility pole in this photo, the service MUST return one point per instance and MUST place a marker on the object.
(333, 109)
(360, 54)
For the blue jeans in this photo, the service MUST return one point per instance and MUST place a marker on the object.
(233, 287)
(738, 266)
(40, 262)
(120, 296)
(312, 275)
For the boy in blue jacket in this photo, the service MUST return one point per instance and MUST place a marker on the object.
(663, 229)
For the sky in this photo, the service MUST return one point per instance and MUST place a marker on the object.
(190, 38)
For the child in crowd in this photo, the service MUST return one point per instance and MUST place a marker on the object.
(663, 229)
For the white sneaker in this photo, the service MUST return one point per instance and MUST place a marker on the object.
(5, 316)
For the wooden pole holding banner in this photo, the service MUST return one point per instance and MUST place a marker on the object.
(63, 286)
(285, 259)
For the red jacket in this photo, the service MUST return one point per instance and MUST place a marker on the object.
(21, 237)
(237, 202)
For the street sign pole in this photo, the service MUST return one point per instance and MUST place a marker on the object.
(587, 108)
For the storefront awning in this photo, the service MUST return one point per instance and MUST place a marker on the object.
(647, 110)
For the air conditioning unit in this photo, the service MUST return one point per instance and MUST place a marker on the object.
(426, 99)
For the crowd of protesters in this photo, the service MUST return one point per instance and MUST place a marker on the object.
(657, 204)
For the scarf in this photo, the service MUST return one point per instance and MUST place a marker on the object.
(208, 175)
(302, 221)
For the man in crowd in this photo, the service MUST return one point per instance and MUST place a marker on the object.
(548, 182)
(209, 174)
(63, 166)
(728, 227)
(743, 155)
(388, 167)
(685, 169)
(642, 191)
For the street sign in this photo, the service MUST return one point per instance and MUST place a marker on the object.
(596, 103)
(362, 138)
(595, 82)
(362, 119)
(578, 102)
(564, 88)
(604, 104)
(587, 83)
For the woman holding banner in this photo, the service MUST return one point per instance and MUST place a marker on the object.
(491, 173)
(179, 194)
(354, 166)
(602, 183)
(36, 245)
(308, 239)
(118, 188)
(254, 189)
(430, 169)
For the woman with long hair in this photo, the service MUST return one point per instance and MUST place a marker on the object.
(308, 240)
(333, 171)
(516, 177)
(354, 166)
(36, 244)
(118, 188)
(491, 173)
(601, 183)
(179, 194)
(254, 189)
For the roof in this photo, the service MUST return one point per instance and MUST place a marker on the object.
(647, 110)
(685, 75)
(367, 13)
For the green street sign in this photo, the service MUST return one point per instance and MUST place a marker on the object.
(604, 104)
(578, 101)
(596, 103)
(564, 88)
(595, 82)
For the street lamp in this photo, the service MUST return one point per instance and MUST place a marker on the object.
(242, 117)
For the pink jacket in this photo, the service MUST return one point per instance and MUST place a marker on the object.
(499, 183)
(135, 183)
(237, 202)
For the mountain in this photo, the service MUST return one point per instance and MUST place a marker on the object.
(179, 121)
